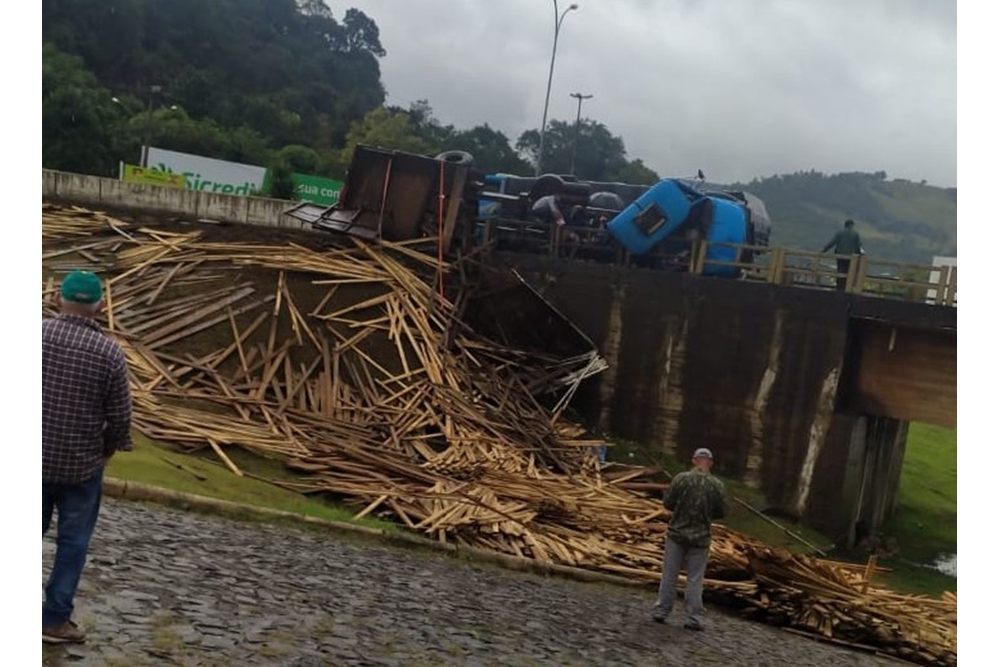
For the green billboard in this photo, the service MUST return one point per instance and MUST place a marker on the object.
(316, 189)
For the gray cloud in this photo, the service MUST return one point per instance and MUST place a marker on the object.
(738, 88)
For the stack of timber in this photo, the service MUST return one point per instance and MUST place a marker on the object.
(353, 367)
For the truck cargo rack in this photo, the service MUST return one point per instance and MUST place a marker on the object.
(332, 219)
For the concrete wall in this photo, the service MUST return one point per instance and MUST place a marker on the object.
(753, 371)
(873, 465)
(96, 191)
(909, 374)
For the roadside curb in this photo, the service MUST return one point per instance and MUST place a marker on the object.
(127, 490)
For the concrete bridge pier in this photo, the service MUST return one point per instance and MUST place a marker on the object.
(872, 466)
(804, 393)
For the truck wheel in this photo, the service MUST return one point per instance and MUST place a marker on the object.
(546, 184)
(456, 157)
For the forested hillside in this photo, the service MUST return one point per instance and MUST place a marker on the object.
(232, 78)
(288, 85)
(897, 219)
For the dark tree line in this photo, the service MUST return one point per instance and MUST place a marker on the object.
(276, 82)
(285, 84)
(288, 70)
(233, 79)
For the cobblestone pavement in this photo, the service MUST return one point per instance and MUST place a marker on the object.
(165, 587)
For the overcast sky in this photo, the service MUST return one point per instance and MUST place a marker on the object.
(737, 88)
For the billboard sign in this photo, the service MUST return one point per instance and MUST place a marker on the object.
(135, 174)
(208, 174)
(316, 189)
(232, 178)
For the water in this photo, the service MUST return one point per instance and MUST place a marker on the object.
(947, 564)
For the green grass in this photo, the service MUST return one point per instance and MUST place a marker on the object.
(779, 531)
(923, 527)
(745, 503)
(925, 524)
(160, 465)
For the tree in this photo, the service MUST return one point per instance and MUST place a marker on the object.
(360, 34)
(384, 129)
(300, 158)
(314, 8)
(491, 150)
(285, 68)
(638, 173)
(82, 126)
(600, 156)
(172, 129)
(439, 137)
(280, 184)
(84, 28)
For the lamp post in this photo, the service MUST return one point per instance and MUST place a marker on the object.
(548, 89)
(153, 90)
(576, 132)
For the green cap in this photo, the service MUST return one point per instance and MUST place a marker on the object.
(82, 287)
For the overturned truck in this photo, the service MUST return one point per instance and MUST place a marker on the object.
(399, 196)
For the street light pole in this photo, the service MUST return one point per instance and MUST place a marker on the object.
(576, 132)
(149, 126)
(548, 90)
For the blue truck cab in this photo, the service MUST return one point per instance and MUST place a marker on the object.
(673, 208)
(652, 221)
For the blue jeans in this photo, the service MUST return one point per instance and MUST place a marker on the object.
(77, 506)
(674, 557)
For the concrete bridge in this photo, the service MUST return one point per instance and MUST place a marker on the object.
(803, 392)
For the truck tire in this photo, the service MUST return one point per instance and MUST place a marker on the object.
(456, 157)
(545, 185)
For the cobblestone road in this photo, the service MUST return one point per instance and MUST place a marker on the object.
(165, 587)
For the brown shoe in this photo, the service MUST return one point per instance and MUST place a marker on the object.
(65, 633)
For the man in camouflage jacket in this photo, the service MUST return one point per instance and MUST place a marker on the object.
(695, 498)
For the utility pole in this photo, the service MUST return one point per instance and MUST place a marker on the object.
(576, 133)
(548, 89)
(153, 90)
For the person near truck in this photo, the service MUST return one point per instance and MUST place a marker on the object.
(601, 207)
(86, 418)
(845, 242)
(546, 209)
(695, 499)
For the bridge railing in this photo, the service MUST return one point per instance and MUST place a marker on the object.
(863, 275)
(859, 274)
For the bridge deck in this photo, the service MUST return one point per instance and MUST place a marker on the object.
(865, 275)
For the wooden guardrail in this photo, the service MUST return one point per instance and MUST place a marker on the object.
(864, 275)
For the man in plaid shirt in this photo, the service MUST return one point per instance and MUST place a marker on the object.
(86, 415)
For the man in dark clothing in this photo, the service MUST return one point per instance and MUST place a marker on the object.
(695, 498)
(845, 242)
(86, 416)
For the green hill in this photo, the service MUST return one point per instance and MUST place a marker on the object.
(897, 219)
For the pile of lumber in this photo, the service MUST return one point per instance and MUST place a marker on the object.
(353, 367)
(822, 598)
(61, 222)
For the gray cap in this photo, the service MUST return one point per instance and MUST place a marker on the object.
(702, 453)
